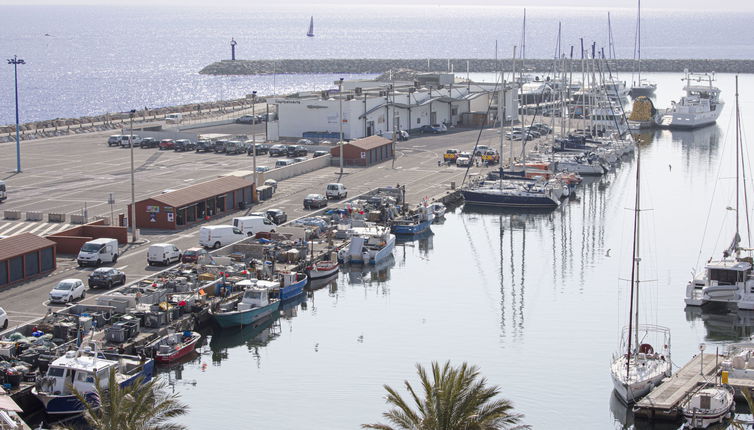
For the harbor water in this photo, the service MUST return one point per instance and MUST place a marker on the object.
(536, 301)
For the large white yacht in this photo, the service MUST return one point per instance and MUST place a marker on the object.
(699, 107)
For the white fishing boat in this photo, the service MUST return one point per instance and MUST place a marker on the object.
(728, 280)
(699, 107)
(369, 245)
(310, 33)
(438, 209)
(637, 367)
(708, 405)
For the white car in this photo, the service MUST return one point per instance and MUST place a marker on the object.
(68, 290)
(3, 318)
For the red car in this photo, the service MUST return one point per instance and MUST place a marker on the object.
(167, 144)
(191, 255)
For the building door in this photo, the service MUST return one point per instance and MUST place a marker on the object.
(433, 118)
(370, 128)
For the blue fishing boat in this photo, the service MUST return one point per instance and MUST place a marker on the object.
(253, 305)
(82, 369)
(287, 286)
(416, 222)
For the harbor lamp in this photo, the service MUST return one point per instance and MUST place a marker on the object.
(134, 233)
(340, 124)
(254, 135)
(16, 61)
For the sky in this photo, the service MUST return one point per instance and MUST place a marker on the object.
(722, 5)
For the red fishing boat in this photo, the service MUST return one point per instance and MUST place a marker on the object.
(322, 269)
(173, 346)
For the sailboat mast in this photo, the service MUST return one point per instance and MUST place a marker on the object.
(738, 139)
(523, 46)
(638, 41)
(513, 75)
(501, 114)
(633, 310)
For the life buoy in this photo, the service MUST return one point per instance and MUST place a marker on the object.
(646, 348)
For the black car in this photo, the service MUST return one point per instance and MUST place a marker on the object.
(219, 146)
(313, 201)
(204, 146)
(150, 142)
(182, 145)
(248, 119)
(320, 153)
(296, 151)
(106, 277)
(278, 216)
(261, 149)
(278, 150)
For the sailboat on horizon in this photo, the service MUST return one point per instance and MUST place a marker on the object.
(310, 33)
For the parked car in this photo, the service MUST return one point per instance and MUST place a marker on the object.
(182, 145)
(491, 156)
(450, 156)
(216, 236)
(533, 131)
(319, 153)
(300, 159)
(271, 183)
(167, 144)
(3, 318)
(433, 129)
(261, 149)
(481, 149)
(219, 146)
(336, 191)
(174, 118)
(312, 201)
(304, 142)
(106, 277)
(252, 225)
(403, 135)
(296, 151)
(163, 253)
(283, 163)
(464, 160)
(126, 140)
(247, 119)
(278, 150)
(67, 290)
(233, 147)
(262, 169)
(205, 146)
(98, 251)
(192, 255)
(278, 216)
(114, 140)
(149, 142)
(542, 128)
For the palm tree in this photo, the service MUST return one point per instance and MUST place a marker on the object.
(454, 399)
(139, 406)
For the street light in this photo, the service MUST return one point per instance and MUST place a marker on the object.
(16, 61)
(254, 136)
(340, 123)
(134, 234)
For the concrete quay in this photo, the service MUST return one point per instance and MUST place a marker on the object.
(487, 65)
(63, 174)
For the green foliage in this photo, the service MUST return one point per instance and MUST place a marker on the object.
(453, 399)
(139, 406)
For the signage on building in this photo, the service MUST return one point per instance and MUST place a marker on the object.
(153, 209)
(363, 155)
(170, 216)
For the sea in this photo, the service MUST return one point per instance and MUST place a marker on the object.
(536, 301)
(89, 60)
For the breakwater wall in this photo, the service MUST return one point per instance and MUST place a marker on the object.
(366, 66)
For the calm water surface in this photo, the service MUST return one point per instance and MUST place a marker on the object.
(536, 301)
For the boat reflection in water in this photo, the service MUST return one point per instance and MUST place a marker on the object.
(723, 323)
(253, 336)
(368, 275)
(289, 308)
(624, 418)
(317, 284)
(704, 140)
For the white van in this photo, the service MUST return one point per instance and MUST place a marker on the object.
(163, 253)
(336, 191)
(216, 236)
(174, 118)
(251, 225)
(98, 251)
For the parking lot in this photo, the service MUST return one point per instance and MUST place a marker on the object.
(64, 174)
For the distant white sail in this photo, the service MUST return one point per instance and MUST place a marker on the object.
(311, 27)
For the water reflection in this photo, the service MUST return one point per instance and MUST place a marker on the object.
(253, 336)
(370, 274)
(289, 308)
(723, 323)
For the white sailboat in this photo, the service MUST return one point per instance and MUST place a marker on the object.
(638, 367)
(640, 87)
(730, 279)
(310, 33)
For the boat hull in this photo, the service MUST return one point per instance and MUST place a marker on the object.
(409, 229)
(321, 271)
(246, 317)
(293, 290)
(484, 199)
(185, 350)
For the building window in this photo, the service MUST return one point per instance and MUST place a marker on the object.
(418, 120)
(454, 111)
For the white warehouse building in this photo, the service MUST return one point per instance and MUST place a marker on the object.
(377, 108)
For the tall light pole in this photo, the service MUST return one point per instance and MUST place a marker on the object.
(134, 234)
(254, 137)
(16, 61)
(340, 123)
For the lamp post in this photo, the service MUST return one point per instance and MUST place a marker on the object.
(254, 137)
(16, 61)
(134, 234)
(340, 123)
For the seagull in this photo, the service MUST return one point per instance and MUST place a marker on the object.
(607, 254)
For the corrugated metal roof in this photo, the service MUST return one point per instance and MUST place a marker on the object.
(201, 191)
(370, 142)
(21, 244)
